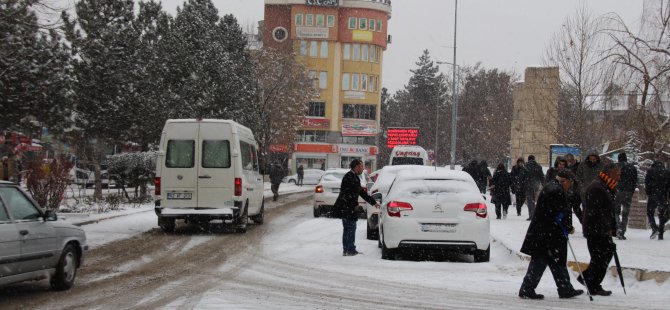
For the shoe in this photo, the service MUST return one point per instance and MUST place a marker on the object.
(498, 217)
(571, 294)
(621, 237)
(601, 292)
(660, 236)
(654, 234)
(351, 253)
(518, 214)
(530, 295)
(504, 214)
(528, 219)
(580, 280)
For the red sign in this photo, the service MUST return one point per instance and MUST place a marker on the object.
(321, 123)
(401, 136)
(278, 148)
(316, 148)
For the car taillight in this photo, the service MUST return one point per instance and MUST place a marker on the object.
(478, 208)
(238, 187)
(157, 183)
(319, 189)
(393, 208)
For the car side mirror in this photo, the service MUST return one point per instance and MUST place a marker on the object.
(369, 185)
(50, 215)
(377, 197)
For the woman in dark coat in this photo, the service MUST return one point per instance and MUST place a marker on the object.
(546, 239)
(500, 188)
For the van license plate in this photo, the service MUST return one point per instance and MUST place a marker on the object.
(185, 196)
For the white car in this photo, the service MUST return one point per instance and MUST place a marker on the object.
(311, 177)
(434, 209)
(327, 190)
(383, 179)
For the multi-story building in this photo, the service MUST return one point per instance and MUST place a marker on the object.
(342, 43)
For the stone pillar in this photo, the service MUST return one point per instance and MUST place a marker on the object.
(637, 218)
(534, 121)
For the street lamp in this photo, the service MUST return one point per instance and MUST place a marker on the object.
(454, 110)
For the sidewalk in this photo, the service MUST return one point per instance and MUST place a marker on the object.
(641, 258)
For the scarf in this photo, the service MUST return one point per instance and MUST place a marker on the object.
(611, 183)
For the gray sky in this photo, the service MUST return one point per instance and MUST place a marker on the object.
(505, 34)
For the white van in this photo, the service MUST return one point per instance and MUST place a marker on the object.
(208, 170)
(408, 155)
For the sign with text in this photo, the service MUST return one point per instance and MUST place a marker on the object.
(346, 148)
(401, 136)
(311, 33)
(321, 123)
(323, 2)
(361, 35)
(352, 94)
(359, 127)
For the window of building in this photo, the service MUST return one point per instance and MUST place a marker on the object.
(364, 82)
(373, 24)
(303, 48)
(346, 51)
(311, 136)
(364, 52)
(314, 77)
(324, 49)
(373, 53)
(379, 25)
(298, 19)
(320, 21)
(313, 49)
(317, 109)
(323, 80)
(354, 81)
(309, 20)
(363, 23)
(357, 52)
(330, 21)
(359, 111)
(373, 83)
(353, 22)
(378, 54)
(345, 81)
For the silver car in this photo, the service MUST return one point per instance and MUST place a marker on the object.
(33, 245)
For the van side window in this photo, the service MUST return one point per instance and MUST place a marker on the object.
(254, 154)
(215, 154)
(247, 157)
(180, 154)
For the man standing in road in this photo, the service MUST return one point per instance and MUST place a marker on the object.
(534, 179)
(624, 195)
(599, 226)
(276, 176)
(656, 184)
(347, 205)
(546, 240)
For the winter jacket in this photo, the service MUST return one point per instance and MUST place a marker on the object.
(519, 175)
(628, 181)
(276, 174)
(501, 183)
(587, 171)
(300, 171)
(347, 201)
(473, 170)
(484, 174)
(546, 237)
(656, 181)
(598, 218)
(535, 175)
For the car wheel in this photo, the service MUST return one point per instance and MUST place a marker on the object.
(482, 256)
(387, 253)
(317, 211)
(166, 224)
(372, 234)
(258, 218)
(291, 181)
(66, 270)
(241, 222)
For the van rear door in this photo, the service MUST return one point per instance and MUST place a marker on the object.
(179, 176)
(216, 173)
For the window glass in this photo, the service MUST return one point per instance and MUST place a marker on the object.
(359, 111)
(180, 154)
(357, 52)
(298, 19)
(354, 81)
(323, 80)
(303, 48)
(254, 154)
(311, 136)
(379, 25)
(20, 207)
(3, 213)
(364, 52)
(345, 81)
(215, 154)
(324, 49)
(315, 79)
(320, 21)
(363, 23)
(352, 22)
(247, 156)
(330, 21)
(313, 48)
(317, 109)
(364, 82)
(346, 51)
(372, 24)
(373, 53)
(309, 20)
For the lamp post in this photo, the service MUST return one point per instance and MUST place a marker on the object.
(454, 112)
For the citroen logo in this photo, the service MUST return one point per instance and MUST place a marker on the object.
(438, 208)
(179, 177)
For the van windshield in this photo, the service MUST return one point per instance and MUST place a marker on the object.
(407, 161)
(180, 154)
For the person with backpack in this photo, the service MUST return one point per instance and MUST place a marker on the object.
(534, 180)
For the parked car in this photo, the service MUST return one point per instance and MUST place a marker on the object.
(34, 245)
(434, 209)
(327, 190)
(383, 179)
(311, 177)
(86, 178)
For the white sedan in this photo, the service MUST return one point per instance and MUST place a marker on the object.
(434, 209)
(326, 192)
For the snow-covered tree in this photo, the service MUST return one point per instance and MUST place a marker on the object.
(133, 170)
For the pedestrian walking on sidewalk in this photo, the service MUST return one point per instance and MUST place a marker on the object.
(500, 188)
(276, 176)
(546, 241)
(624, 196)
(519, 175)
(533, 185)
(656, 184)
(599, 226)
(588, 171)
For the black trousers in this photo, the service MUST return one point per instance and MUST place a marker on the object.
(601, 249)
(537, 267)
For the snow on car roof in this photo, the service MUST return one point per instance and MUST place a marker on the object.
(436, 173)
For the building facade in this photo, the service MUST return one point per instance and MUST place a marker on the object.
(342, 44)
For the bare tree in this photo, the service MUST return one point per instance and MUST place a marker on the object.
(644, 59)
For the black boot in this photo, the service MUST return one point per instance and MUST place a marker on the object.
(530, 295)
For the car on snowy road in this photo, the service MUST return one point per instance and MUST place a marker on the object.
(311, 177)
(34, 245)
(328, 188)
(438, 209)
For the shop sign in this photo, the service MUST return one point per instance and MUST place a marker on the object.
(351, 94)
(315, 148)
(401, 136)
(323, 2)
(344, 148)
(361, 35)
(312, 32)
(278, 148)
(359, 127)
(321, 123)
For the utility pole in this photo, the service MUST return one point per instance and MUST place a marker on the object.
(454, 107)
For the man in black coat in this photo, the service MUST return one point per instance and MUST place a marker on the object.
(534, 180)
(599, 226)
(519, 175)
(276, 176)
(624, 196)
(546, 240)
(347, 204)
(656, 184)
